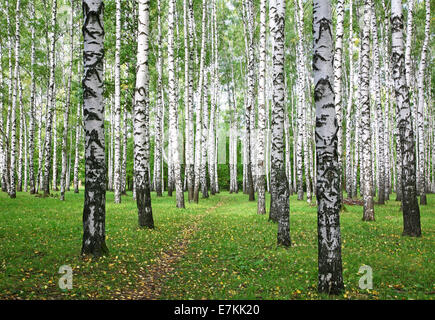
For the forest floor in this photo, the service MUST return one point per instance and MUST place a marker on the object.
(217, 249)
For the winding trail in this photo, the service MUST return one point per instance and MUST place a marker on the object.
(150, 283)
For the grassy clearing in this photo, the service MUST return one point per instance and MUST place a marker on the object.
(232, 255)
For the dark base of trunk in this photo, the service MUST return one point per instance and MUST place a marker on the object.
(335, 289)
(330, 279)
(145, 213)
(284, 242)
(411, 233)
(300, 196)
(95, 250)
(180, 204)
(423, 200)
(190, 194)
(196, 195)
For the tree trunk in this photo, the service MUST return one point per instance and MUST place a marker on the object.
(188, 94)
(279, 202)
(420, 110)
(349, 127)
(141, 122)
(13, 143)
(338, 59)
(261, 204)
(117, 106)
(330, 279)
(32, 105)
(411, 210)
(3, 137)
(379, 111)
(21, 136)
(76, 151)
(301, 99)
(199, 102)
(408, 63)
(204, 136)
(50, 103)
(66, 112)
(94, 211)
(250, 103)
(366, 141)
(54, 165)
(173, 108)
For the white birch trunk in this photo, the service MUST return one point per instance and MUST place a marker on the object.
(261, 203)
(50, 103)
(66, 111)
(94, 211)
(141, 120)
(420, 118)
(173, 108)
(279, 202)
(410, 208)
(13, 142)
(330, 278)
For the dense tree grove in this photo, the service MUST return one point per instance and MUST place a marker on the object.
(331, 100)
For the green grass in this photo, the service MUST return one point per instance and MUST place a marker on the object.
(232, 255)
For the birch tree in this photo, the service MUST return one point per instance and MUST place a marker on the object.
(94, 211)
(141, 122)
(66, 111)
(199, 102)
(349, 124)
(379, 111)
(408, 70)
(32, 186)
(299, 14)
(338, 58)
(188, 94)
(3, 137)
(420, 118)
(117, 106)
(366, 163)
(261, 204)
(50, 102)
(173, 126)
(279, 202)
(21, 134)
(410, 208)
(330, 278)
(13, 141)
(250, 97)
(76, 148)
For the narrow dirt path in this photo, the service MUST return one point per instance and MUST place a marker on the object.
(150, 283)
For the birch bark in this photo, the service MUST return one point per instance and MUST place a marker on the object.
(94, 211)
(330, 279)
